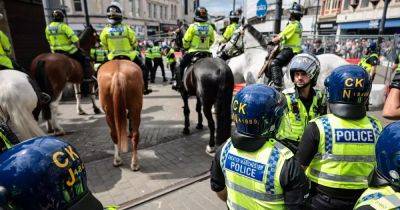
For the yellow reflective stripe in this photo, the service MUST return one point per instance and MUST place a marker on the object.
(346, 158)
(338, 178)
(5, 140)
(253, 194)
(393, 199)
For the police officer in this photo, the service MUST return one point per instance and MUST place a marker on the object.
(198, 38)
(62, 39)
(370, 60)
(157, 61)
(98, 55)
(337, 149)
(234, 19)
(304, 101)
(120, 41)
(25, 184)
(290, 41)
(148, 57)
(7, 138)
(171, 60)
(252, 170)
(391, 109)
(384, 181)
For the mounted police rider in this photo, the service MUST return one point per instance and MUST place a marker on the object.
(384, 181)
(290, 41)
(62, 39)
(370, 60)
(253, 170)
(304, 101)
(120, 41)
(337, 149)
(198, 39)
(229, 31)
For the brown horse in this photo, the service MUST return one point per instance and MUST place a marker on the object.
(121, 89)
(53, 71)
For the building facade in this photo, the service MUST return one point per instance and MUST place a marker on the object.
(147, 17)
(329, 11)
(365, 19)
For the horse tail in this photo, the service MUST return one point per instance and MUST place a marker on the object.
(16, 107)
(118, 90)
(44, 84)
(223, 105)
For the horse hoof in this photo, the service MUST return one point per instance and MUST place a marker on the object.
(96, 111)
(50, 131)
(199, 126)
(186, 131)
(81, 112)
(135, 167)
(117, 163)
(59, 133)
(210, 150)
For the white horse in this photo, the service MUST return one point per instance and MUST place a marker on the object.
(18, 99)
(246, 66)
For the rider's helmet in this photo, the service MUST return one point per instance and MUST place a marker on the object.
(234, 17)
(114, 13)
(387, 152)
(296, 11)
(372, 48)
(308, 63)
(257, 111)
(58, 15)
(201, 14)
(348, 89)
(44, 173)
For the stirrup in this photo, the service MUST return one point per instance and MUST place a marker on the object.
(44, 97)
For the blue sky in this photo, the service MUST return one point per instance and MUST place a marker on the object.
(220, 7)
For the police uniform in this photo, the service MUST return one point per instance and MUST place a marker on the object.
(98, 55)
(198, 38)
(5, 52)
(380, 198)
(62, 39)
(148, 60)
(254, 169)
(338, 149)
(120, 42)
(300, 112)
(7, 137)
(369, 61)
(290, 45)
(171, 60)
(397, 62)
(157, 62)
(229, 31)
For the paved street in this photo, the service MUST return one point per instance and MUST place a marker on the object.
(168, 158)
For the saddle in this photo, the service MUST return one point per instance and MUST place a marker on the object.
(199, 55)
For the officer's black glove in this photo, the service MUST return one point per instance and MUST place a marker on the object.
(396, 81)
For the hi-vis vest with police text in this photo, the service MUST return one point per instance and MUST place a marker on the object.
(156, 52)
(61, 37)
(382, 198)
(252, 178)
(346, 152)
(296, 119)
(363, 62)
(119, 40)
(229, 31)
(199, 37)
(291, 36)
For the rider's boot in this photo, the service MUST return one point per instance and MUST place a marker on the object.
(87, 76)
(276, 77)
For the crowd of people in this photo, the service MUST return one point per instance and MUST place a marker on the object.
(287, 151)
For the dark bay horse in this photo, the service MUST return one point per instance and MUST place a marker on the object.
(211, 81)
(52, 71)
(121, 92)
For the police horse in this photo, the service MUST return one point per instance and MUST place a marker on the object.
(52, 71)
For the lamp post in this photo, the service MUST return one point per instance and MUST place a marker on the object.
(355, 3)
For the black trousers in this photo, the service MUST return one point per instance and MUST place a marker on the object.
(158, 62)
(149, 66)
(275, 73)
(82, 59)
(172, 67)
(321, 201)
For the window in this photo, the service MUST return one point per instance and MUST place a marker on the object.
(154, 11)
(364, 3)
(166, 12)
(149, 7)
(185, 2)
(78, 5)
(346, 4)
(161, 12)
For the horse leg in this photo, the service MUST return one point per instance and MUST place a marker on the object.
(211, 125)
(186, 112)
(199, 115)
(134, 121)
(58, 130)
(93, 98)
(113, 133)
(77, 89)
